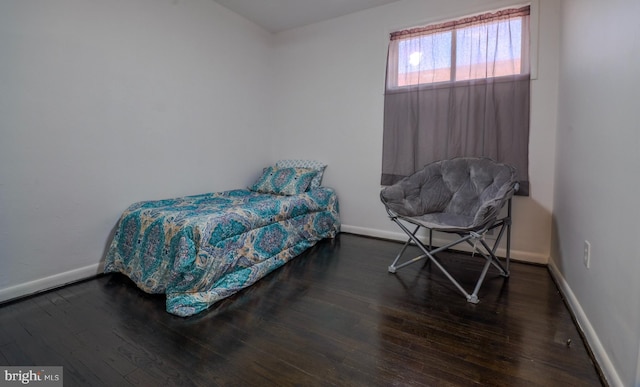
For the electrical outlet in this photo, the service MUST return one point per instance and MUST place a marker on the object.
(587, 254)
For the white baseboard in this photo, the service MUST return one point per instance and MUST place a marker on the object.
(62, 279)
(601, 357)
(518, 255)
(51, 282)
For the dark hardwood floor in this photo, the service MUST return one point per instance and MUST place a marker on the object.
(332, 316)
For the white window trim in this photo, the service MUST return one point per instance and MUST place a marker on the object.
(534, 23)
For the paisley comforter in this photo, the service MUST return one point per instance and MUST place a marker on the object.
(200, 249)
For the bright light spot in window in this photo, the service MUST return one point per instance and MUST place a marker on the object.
(414, 58)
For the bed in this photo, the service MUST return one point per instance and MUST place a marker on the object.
(200, 249)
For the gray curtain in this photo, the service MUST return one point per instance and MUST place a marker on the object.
(482, 115)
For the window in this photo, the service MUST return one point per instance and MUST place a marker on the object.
(458, 88)
(465, 49)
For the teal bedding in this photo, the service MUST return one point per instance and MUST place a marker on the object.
(200, 249)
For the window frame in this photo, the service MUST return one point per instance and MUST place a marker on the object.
(531, 58)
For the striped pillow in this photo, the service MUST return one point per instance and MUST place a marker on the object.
(311, 164)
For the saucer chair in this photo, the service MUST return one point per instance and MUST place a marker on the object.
(462, 196)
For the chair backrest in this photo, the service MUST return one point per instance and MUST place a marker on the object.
(468, 186)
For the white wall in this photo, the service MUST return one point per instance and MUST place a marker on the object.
(597, 185)
(330, 107)
(104, 103)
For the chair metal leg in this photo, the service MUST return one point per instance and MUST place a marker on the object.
(474, 296)
(508, 220)
(505, 225)
(486, 251)
(392, 267)
(490, 256)
(495, 261)
(430, 255)
(504, 271)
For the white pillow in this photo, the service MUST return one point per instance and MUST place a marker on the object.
(310, 164)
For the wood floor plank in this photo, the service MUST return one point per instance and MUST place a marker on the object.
(332, 317)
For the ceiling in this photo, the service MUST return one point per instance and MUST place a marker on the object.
(280, 15)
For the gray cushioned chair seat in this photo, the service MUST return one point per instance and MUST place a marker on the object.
(458, 194)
